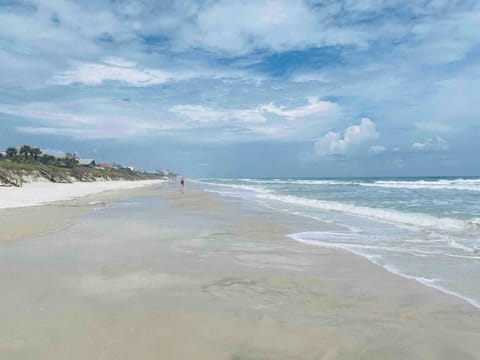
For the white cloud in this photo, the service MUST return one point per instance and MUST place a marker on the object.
(93, 118)
(107, 118)
(313, 76)
(377, 149)
(151, 42)
(279, 25)
(125, 71)
(435, 43)
(421, 146)
(205, 114)
(199, 113)
(112, 70)
(334, 143)
(126, 128)
(313, 107)
(116, 61)
(431, 144)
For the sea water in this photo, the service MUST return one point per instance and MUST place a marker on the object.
(427, 229)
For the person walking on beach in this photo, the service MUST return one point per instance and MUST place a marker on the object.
(182, 183)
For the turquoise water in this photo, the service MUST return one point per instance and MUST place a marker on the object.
(427, 229)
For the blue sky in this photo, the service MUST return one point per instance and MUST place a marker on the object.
(246, 88)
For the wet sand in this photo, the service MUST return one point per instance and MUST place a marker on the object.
(37, 220)
(172, 276)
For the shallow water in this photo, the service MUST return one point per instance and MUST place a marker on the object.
(422, 228)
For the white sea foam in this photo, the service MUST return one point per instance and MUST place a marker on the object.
(314, 238)
(348, 227)
(279, 181)
(441, 184)
(474, 223)
(256, 189)
(416, 238)
(457, 245)
(388, 215)
(432, 283)
(349, 241)
(297, 181)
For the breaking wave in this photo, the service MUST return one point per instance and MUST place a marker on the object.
(388, 215)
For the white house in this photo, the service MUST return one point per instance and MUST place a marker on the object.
(87, 162)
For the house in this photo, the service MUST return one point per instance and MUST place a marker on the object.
(104, 166)
(71, 156)
(3, 154)
(86, 162)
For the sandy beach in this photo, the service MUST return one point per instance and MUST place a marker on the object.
(154, 274)
(39, 193)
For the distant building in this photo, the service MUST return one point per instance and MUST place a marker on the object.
(71, 156)
(104, 166)
(3, 154)
(86, 162)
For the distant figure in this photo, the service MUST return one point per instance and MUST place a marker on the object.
(182, 183)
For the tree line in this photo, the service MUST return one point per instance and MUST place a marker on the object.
(27, 153)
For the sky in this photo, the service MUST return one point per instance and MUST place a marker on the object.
(246, 88)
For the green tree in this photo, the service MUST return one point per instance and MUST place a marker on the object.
(48, 159)
(35, 152)
(25, 151)
(11, 152)
(70, 162)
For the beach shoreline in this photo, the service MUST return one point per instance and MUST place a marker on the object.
(226, 282)
(56, 207)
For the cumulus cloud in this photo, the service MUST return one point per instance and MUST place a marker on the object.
(377, 149)
(437, 143)
(335, 143)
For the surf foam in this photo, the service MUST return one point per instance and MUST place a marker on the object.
(391, 216)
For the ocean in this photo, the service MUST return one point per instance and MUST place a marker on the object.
(427, 229)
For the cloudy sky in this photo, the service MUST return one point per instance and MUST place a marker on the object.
(264, 88)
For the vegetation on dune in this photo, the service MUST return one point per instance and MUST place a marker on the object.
(27, 162)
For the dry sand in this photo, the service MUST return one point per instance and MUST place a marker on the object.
(193, 277)
(43, 192)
